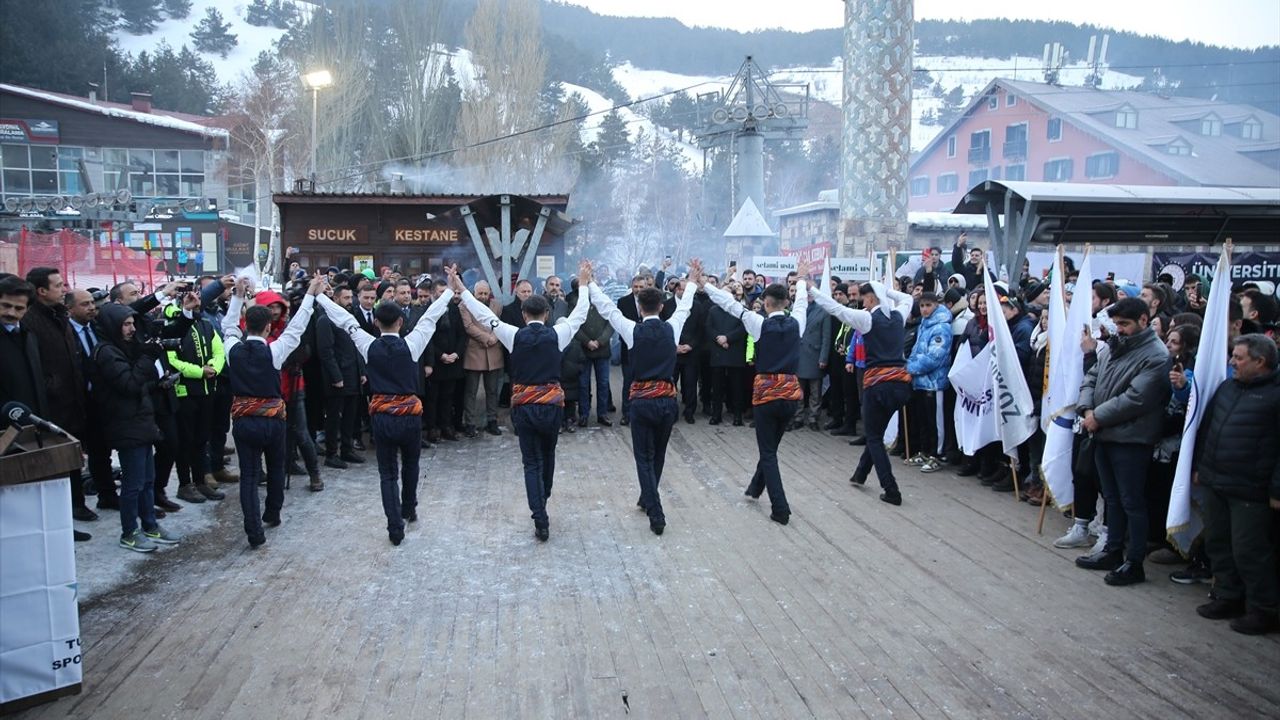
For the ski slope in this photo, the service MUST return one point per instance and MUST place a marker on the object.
(599, 105)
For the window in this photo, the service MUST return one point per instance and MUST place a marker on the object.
(977, 176)
(920, 186)
(993, 102)
(1102, 165)
(1015, 172)
(948, 183)
(980, 147)
(951, 146)
(1054, 132)
(1211, 126)
(1127, 118)
(1058, 170)
(1251, 129)
(1010, 100)
(1015, 141)
(1179, 147)
(995, 173)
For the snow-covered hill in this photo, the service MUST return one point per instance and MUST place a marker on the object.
(970, 73)
(599, 105)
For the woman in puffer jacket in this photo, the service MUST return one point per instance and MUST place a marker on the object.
(928, 364)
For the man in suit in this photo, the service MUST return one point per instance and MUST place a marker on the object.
(483, 365)
(343, 370)
(448, 346)
(512, 315)
(813, 361)
(366, 302)
(690, 349)
(593, 338)
(629, 306)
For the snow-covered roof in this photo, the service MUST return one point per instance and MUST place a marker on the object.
(829, 200)
(117, 111)
(749, 223)
(1121, 194)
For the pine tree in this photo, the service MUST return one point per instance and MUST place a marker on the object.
(614, 142)
(212, 34)
(177, 9)
(282, 14)
(258, 14)
(139, 17)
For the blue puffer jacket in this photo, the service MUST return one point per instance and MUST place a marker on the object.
(931, 356)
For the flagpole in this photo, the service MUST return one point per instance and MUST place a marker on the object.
(1044, 504)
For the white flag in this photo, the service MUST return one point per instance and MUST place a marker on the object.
(1066, 373)
(1210, 372)
(975, 417)
(1015, 411)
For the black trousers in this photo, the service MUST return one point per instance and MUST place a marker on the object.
(256, 437)
(1085, 484)
(398, 441)
(687, 379)
(538, 428)
(704, 372)
(771, 419)
(194, 416)
(95, 446)
(879, 403)
(1242, 549)
(340, 423)
(651, 423)
(727, 389)
(439, 404)
(852, 398)
(924, 422)
(1122, 472)
(166, 455)
(834, 400)
(219, 426)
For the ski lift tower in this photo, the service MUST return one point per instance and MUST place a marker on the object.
(743, 117)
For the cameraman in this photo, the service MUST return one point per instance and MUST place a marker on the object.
(124, 373)
(198, 356)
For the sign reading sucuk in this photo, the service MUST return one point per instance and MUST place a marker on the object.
(425, 235)
(335, 235)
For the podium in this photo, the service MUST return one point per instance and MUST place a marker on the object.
(39, 617)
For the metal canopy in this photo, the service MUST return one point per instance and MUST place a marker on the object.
(1020, 213)
(509, 229)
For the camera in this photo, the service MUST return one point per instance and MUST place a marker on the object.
(174, 344)
(168, 381)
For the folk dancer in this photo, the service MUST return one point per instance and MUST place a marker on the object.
(257, 407)
(652, 346)
(391, 369)
(537, 400)
(775, 393)
(886, 384)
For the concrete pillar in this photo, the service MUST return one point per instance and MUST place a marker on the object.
(876, 141)
(750, 166)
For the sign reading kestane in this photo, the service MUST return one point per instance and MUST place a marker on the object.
(429, 235)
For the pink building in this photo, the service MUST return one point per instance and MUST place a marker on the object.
(1016, 130)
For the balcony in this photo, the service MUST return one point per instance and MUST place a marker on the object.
(980, 155)
(1015, 149)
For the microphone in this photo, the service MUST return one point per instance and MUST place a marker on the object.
(19, 414)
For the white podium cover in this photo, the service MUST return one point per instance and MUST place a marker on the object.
(39, 618)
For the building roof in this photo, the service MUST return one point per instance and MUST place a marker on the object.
(1220, 160)
(749, 222)
(829, 200)
(974, 201)
(183, 122)
(379, 198)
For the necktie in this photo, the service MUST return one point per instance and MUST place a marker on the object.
(88, 338)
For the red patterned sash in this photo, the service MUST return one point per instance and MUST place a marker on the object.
(877, 375)
(769, 387)
(650, 389)
(395, 405)
(548, 394)
(243, 406)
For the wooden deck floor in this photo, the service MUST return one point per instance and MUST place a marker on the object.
(948, 607)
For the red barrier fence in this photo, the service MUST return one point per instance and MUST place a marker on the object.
(84, 261)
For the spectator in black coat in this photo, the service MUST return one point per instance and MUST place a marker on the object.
(448, 346)
(726, 339)
(689, 349)
(343, 370)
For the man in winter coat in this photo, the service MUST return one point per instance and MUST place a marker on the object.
(593, 338)
(928, 365)
(690, 351)
(1237, 464)
(124, 373)
(1122, 403)
(813, 362)
(727, 340)
(343, 372)
(483, 365)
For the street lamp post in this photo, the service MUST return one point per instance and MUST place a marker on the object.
(314, 81)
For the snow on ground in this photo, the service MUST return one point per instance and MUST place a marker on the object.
(250, 40)
(825, 84)
(600, 104)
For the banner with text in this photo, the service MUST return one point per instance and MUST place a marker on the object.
(1244, 266)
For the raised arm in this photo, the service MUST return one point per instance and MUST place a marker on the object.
(567, 327)
(348, 323)
(418, 338)
(505, 332)
(231, 333)
(624, 325)
(723, 298)
(902, 302)
(859, 320)
(292, 335)
(683, 305)
(801, 308)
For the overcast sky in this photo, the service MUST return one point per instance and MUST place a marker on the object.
(1234, 23)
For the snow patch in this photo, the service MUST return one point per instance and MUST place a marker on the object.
(600, 105)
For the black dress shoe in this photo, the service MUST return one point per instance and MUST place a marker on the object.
(257, 542)
(1127, 574)
(471, 431)
(570, 428)
(714, 421)
(1101, 560)
(625, 421)
(780, 518)
(108, 503)
(359, 445)
(334, 461)
(843, 432)
(351, 457)
(858, 440)
(1004, 484)
(79, 536)
(271, 520)
(582, 421)
(858, 478)
(1256, 622)
(542, 532)
(893, 498)
(602, 420)
(657, 527)
(1217, 609)
(493, 429)
(737, 420)
(396, 537)
(833, 425)
(753, 495)
(688, 417)
(409, 514)
(449, 434)
(164, 503)
(967, 470)
(160, 514)
(84, 514)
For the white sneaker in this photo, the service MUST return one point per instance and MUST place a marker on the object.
(1101, 544)
(1096, 527)
(1076, 537)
